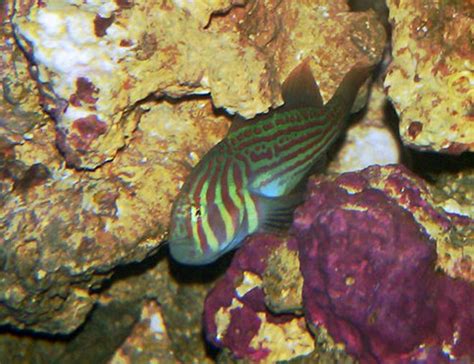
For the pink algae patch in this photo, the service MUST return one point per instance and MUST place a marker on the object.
(370, 279)
(89, 128)
(85, 91)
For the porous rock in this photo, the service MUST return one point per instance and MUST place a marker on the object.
(429, 80)
(93, 61)
(90, 189)
(236, 317)
(367, 248)
(368, 264)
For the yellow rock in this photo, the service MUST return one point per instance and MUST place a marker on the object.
(430, 78)
(137, 91)
(283, 341)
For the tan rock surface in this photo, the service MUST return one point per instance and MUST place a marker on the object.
(100, 71)
(430, 77)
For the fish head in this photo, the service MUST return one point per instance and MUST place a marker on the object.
(198, 233)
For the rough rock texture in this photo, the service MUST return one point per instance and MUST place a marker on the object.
(96, 60)
(170, 299)
(444, 227)
(143, 315)
(148, 342)
(235, 314)
(369, 270)
(453, 192)
(366, 243)
(100, 72)
(61, 236)
(282, 282)
(430, 77)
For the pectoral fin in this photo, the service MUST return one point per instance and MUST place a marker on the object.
(278, 212)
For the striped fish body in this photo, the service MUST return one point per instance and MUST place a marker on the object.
(250, 180)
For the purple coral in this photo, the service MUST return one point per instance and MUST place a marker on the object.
(244, 322)
(369, 277)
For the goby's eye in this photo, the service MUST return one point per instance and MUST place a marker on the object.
(196, 212)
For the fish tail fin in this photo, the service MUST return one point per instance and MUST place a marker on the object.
(348, 89)
(300, 89)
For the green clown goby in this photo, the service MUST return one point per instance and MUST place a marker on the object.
(251, 180)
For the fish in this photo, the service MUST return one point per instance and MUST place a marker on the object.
(254, 178)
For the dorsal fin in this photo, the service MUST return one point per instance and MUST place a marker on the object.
(300, 89)
(347, 90)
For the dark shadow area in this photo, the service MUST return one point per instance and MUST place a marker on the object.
(95, 341)
(134, 269)
(378, 6)
(183, 274)
(8, 329)
(217, 15)
(107, 327)
(201, 274)
(392, 122)
(211, 350)
(172, 100)
(429, 164)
